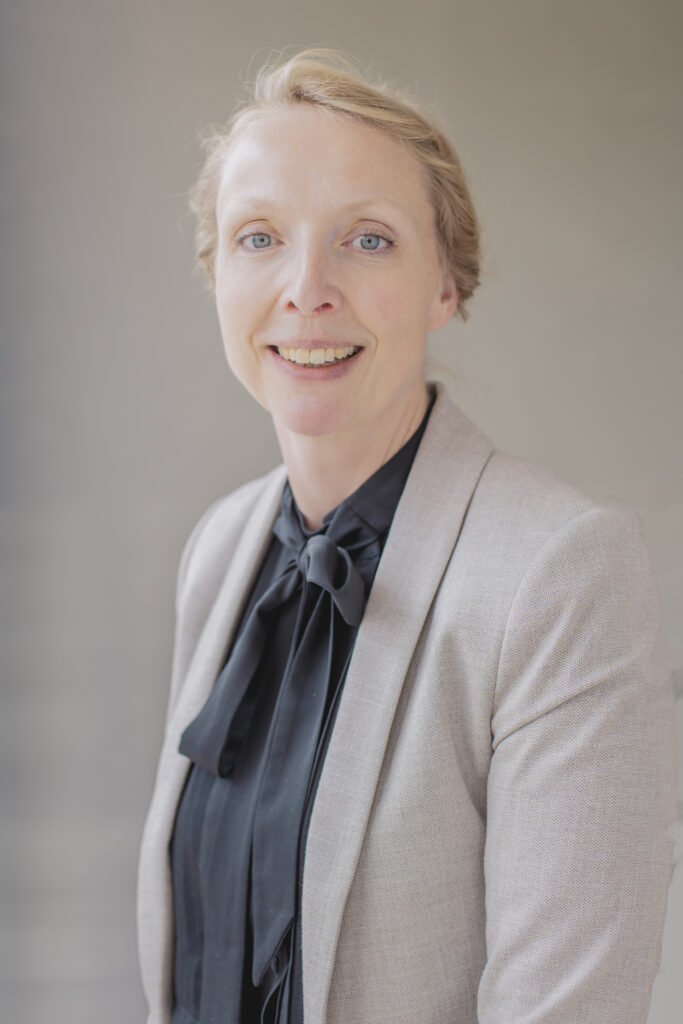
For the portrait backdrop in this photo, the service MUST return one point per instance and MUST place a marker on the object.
(121, 422)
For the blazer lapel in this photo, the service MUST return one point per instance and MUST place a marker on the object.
(155, 896)
(425, 529)
(218, 633)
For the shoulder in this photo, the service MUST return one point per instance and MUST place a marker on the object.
(517, 507)
(551, 543)
(214, 537)
(536, 553)
(582, 609)
(556, 589)
(526, 501)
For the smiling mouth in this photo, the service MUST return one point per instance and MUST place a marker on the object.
(317, 356)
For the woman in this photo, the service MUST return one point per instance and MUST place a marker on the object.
(418, 763)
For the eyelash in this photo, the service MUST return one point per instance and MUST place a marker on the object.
(253, 234)
(364, 234)
(375, 234)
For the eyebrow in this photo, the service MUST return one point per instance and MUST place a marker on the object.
(258, 203)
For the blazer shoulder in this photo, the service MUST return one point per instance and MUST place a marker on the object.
(514, 501)
(519, 515)
(532, 488)
(211, 542)
(533, 505)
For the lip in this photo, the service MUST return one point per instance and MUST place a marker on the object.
(314, 343)
(326, 371)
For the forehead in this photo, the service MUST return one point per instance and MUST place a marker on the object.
(306, 154)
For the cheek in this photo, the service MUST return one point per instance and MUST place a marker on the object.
(385, 304)
(401, 304)
(400, 320)
(243, 303)
(234, 332)
(388, 308)
(235, 309)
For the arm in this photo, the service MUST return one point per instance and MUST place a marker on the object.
(581, 792)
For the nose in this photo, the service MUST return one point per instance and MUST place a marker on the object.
(310, 287)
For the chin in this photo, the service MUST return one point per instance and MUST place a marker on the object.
(312, 416)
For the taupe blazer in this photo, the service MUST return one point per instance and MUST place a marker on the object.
(491, 838)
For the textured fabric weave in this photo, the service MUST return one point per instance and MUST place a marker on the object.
(492, 833)
(254, 744)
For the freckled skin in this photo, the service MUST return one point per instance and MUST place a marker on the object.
(318, 189)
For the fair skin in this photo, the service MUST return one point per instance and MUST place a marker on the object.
(328, 281)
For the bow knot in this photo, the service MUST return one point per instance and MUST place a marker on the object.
(214, 738)
(330, 567)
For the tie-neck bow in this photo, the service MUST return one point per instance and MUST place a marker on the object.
(332, 559)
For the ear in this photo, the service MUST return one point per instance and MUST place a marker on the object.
(445, 301)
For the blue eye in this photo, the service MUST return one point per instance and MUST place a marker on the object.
(371, 242)
(260, 240)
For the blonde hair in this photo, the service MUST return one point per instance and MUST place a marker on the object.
(328, 79)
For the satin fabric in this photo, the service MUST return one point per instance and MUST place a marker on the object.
(257, 746)
(505, 737)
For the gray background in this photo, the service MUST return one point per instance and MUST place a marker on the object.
(120, 421)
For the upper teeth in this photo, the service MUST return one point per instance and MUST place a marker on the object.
(317, 356)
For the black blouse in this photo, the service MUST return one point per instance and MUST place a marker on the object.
(257, 749)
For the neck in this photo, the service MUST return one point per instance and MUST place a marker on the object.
(323, 470)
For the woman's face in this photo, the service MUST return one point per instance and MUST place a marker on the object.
(327, 273)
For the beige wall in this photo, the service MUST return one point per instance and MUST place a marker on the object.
(120, 423)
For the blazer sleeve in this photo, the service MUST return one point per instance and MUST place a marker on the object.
(581, 800)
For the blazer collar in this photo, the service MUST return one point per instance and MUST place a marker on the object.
(155, 907)
(424, 531)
